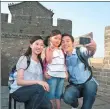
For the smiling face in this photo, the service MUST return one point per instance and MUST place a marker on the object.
(37, 46)
(56, 40)
(67, 44)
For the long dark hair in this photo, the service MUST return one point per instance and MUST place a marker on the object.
(70, 36)
(29, 51)
(46, 41)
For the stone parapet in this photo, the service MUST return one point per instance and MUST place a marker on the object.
(107, 48)
(5, 99)
(103, 78)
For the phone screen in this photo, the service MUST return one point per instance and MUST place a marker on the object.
(84, 40)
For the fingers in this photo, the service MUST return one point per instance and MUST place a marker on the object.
(47, 76)
(91, 46)
(44, 84)
(46, 87)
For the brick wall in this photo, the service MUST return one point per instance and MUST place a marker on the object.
(65, 25)
(29, 8)
(103, 74)
(107, 48)
(12, 46)
(32, 18)
(5, 100)
(4, 17)
(103, 78)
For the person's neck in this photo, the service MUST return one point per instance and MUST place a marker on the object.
(56, 47)
(34, 57)
(70, 52)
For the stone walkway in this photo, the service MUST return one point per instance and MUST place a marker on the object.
(100, 103)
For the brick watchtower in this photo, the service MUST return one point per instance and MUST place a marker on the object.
(107, 48)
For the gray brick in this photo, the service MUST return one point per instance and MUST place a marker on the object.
(4, 95)
(4, 107)
(108, 86)
(4, 89)
(108, 83)
(103, 73)
(108, 73)
(4, 102)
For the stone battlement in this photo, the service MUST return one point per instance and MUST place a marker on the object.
(27, 17)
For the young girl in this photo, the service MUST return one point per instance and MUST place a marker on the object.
(56, 70)
(29, 86)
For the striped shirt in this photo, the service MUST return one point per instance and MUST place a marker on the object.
(57, 67)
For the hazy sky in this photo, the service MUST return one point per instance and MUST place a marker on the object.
(86, 17)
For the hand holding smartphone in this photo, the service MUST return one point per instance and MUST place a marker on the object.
(84, 40)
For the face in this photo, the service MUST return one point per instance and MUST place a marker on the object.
(67, 44)
(37, 46)
(56, 40)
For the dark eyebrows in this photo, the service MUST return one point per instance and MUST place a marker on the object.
(67, 39)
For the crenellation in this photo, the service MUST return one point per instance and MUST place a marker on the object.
(30, 17)
(4, 18)
(66, 24)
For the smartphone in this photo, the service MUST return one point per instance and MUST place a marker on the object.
(84, 40)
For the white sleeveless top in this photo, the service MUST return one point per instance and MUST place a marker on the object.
(57, 67)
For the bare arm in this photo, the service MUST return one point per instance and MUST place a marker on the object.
(66, 76)
(49, 54)
(22, 82)
(66, 73)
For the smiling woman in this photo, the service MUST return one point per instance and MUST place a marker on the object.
(28, 79)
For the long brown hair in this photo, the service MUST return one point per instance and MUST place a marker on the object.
(29, 51)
